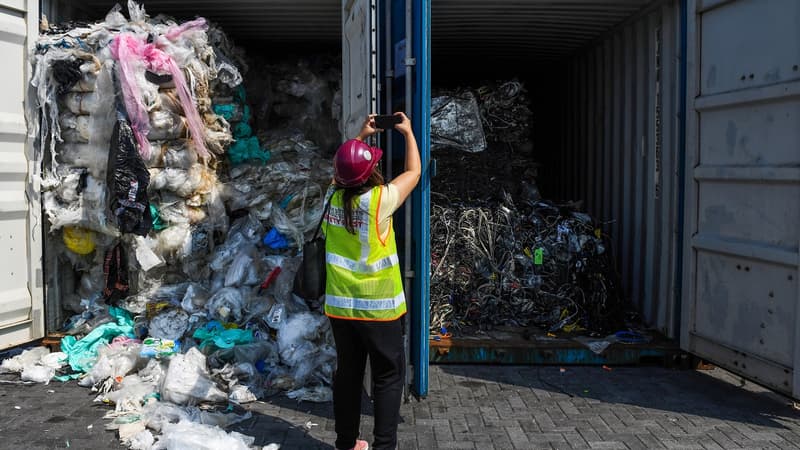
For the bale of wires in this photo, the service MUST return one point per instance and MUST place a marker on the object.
(533, 264)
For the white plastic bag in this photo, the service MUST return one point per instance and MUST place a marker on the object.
(27, 358)
(55, 360)
(147, 258)
(188, 435)
(39, 374)
(187, 381)
(156, 415)
(143, 440)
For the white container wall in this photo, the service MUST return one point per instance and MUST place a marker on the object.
(21, 298)
(620, 150)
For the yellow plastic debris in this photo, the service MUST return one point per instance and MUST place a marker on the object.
(79, 240)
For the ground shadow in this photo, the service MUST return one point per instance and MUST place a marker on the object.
(700, 393)
(268, 429)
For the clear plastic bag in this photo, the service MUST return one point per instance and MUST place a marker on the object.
(90, 156)
(143, 440)
(276, 316)
(172, 324)
(182, 182)
(243, 233)
(195, 299)
(317, 394)
(114, 362)
(82, 103)
(283, 285)
(172, 210)
(226, 305)
(237, 273)
(296, 346)
(242, 394)
(130, 393)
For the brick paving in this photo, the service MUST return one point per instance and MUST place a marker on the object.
(476, 407)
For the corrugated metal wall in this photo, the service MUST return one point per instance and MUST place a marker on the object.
(619, 151)
(742, 250)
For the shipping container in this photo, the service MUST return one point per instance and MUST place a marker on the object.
(674, 121)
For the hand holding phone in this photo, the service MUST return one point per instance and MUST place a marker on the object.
(387, 122)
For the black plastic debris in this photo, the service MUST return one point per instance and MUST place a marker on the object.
(128, 179)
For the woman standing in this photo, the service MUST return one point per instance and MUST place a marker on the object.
(364, 296)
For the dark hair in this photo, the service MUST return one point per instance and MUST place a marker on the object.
(350, 193)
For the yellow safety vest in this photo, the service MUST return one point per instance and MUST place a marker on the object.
(363, 272)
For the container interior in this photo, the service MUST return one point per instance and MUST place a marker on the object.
(472, 43)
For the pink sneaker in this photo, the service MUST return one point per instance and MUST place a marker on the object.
(361, 445)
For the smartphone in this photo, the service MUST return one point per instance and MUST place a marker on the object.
(387, 122)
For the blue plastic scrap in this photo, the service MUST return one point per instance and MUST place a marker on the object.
(275, 240)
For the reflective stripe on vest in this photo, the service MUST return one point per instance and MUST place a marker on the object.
(363, 279)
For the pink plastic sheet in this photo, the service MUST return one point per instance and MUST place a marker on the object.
(134, 56)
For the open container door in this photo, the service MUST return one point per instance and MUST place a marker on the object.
(407, 88)
(420, 109)
(408, 22)
(21, 298)
(359, 64)
(740, 284)
(359, 77)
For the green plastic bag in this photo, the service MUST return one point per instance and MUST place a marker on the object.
(82, 354)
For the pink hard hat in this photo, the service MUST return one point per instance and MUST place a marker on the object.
(354, 162)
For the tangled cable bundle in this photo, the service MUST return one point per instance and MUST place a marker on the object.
(505, 112)
(539, 264)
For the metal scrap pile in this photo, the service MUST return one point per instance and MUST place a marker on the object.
(519, 265)
(500, 254)
(174, 230)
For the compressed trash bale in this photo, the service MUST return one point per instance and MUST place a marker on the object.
(75, 128)
(166, 125)
(456, 123)
(82, 103)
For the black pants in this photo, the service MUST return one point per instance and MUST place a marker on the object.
(383, 342)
